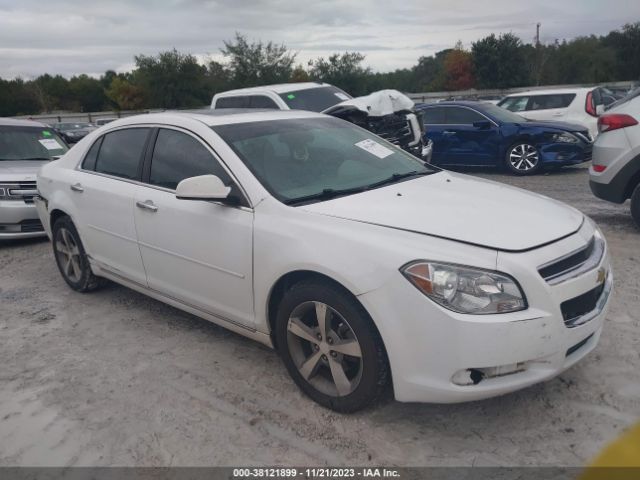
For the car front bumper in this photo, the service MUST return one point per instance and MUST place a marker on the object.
(433, 351)
(19, 219)
(561, 154)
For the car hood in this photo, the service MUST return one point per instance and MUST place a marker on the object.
(20, 170)
(564, 126)
(461, 208)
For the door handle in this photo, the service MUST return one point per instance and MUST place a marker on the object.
(147, 205)
(76, 187)
(448, 132)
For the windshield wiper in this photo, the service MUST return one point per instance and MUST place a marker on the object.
(399, 176)
(326, 194)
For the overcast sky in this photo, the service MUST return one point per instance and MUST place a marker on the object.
(72, 36)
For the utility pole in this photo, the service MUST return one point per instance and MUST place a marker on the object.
(538, 55)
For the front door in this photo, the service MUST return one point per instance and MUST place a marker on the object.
(472, 139)
(195, 251)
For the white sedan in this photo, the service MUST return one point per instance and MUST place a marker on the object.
(363, 266)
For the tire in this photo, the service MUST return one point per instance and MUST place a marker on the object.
(329, 370)
(522, 158)
(635, 205)
(71, 257)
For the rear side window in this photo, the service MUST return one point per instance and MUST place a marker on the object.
(260, 101)
(514, 104)
(463, 116)
(233, 102)
(89, 162)
(121, 152)
(177, 156)
(546, 102)
(433, 116)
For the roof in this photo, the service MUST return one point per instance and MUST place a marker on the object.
(218, 117)
(18, 122)
(278, 88)
(459, 103)
(554, 91)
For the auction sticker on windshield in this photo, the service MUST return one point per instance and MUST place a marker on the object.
(374, 148)
(50, 144)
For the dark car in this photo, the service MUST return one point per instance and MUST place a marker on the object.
(73, 132)
(482, 134)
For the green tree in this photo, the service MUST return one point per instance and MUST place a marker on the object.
(257, 63)
(499, 62)
(125, 95)
(17, 98)
(87, 93)
(342, 70)
(626, 45)
(171, 80)
(299, 74)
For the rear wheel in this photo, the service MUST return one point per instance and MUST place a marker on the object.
(71, 258)
(522, 159)
(635, 205)
(330, 347)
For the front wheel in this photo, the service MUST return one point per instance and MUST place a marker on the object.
(330, 347)
(522, 159)
(635, 205)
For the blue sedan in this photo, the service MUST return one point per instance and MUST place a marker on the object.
(482, 134)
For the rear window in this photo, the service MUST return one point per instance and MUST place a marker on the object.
(121, 152)
(261, 101)
(233, 102)
(546, 102)
(30, 143)
(314, 99)
(433, 116)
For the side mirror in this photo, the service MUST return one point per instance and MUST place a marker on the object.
(599, 109)
(203, 187)
(482, 125)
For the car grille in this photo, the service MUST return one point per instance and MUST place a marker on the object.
(578, 306)
(19, 191)
(574, 264)
(393, 128)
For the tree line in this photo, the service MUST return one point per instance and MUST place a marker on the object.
(174, 79)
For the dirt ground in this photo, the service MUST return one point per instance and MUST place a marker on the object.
(115, 378)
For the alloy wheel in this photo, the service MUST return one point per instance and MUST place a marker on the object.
(324, 349)
(523, 157)
(68, 254)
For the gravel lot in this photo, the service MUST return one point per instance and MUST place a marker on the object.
(115, 378)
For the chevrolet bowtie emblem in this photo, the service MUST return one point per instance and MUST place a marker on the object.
(602, 276)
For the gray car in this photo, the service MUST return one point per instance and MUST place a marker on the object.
(24, 147)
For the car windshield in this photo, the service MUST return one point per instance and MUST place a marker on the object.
(314, 159)
(502, 114)
(315, 99)
(29, 143)
(633, 94)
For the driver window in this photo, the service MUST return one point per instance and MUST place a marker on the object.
(177, 156)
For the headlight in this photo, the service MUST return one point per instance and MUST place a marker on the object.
(466, 289)
(564, 138)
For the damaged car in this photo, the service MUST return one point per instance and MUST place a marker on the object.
(388, 113)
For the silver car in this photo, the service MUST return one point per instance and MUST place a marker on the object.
(24, 147)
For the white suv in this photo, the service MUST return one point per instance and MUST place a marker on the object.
(574, 105)
(615, 172)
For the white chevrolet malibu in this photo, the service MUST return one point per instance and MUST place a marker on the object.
(360, 264)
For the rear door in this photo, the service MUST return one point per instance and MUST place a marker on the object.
(198, 252)
(104, 192)
(472, 139)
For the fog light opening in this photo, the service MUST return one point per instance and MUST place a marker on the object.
(476, 376)
(473, 376)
